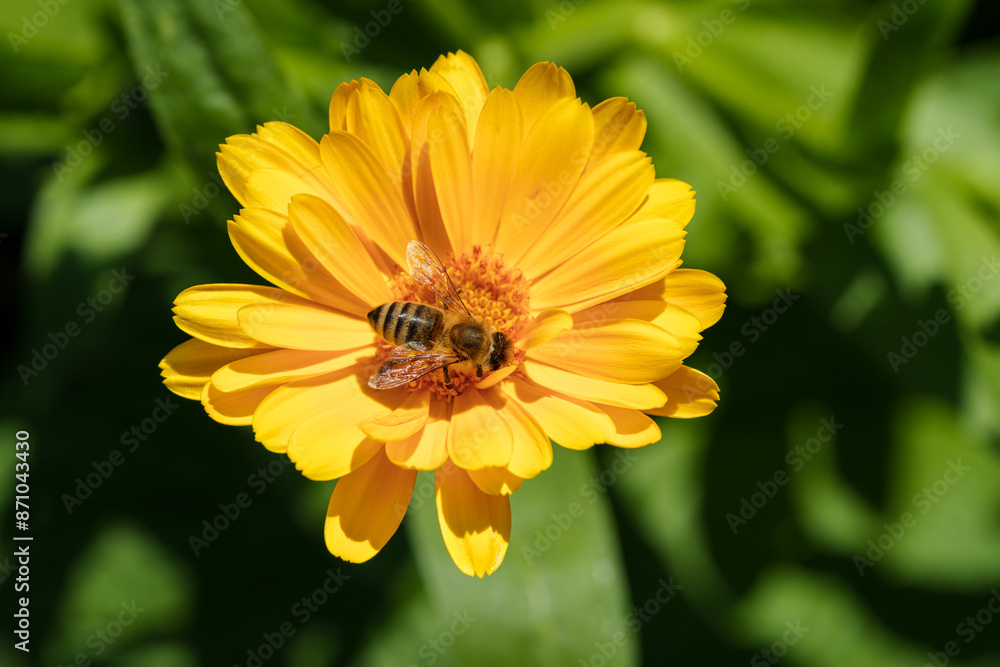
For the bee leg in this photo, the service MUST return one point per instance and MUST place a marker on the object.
(447, 377)
(479, 372)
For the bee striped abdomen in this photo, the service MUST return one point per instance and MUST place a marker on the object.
(401, 322)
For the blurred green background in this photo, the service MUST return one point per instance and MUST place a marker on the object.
(842, 505)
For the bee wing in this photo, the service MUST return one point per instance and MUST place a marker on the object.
(427, 269)
(404, 365)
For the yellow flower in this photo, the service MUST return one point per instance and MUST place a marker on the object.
(555, 231)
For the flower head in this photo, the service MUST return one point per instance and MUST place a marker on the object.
(555, 232)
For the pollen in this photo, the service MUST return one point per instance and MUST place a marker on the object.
(494, 293)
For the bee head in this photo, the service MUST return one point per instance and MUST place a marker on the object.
(499, 351)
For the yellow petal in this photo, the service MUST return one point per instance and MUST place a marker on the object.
(188, 367)
(548, 167)
(631, 256)
(679, 322)
(637, 396)
(616, 350)
(618, 126)
(371, 196)
(277, 146)
(329, 444)
(632, 428)
(496, 377)
(272, 189)
(532, 452)
(690, 393)
(570, 422)
(304, 326)
(462, 73)
(338, 104)
(607, 194)
(401, 423)
(233, 408)
(281, 366)
(366, 508)
(279, 414)
(426, 449)
(475, 525)
(333, 242)
(271, 247)
(372, 118)
(541, 87)
(478, 437)
(546, 325)
(208, 312)
(698, 292)
(494, 159)
(451, 169)
(411, 88)
(495, 481)
(669, 200)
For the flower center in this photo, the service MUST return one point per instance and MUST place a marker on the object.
(495, 294)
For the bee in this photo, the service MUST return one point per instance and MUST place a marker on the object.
(429, 338)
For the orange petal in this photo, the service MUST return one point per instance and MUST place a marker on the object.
(304, 326)
(188, 367)
(541, 87)
(270, 246)
(233, 408)
(329, 444)
(209, 312)
(276, 146)
(279, 414)
(698, 292)
(637, 396)
(478, 437)
(495, 481)
(281, 366)
(690, 393)
(494, 160)
(618, 127)
(548, 168)
(333, 242)
(546, 325)
(532, 451)
(475, 525)
(427, 449)
(366, 508)
(462, 73)
(607, 194)
(401, 423)
(631, 256)
(616, 350)
(570, 422)
(370, 195)
(632, 428)
(669, 200)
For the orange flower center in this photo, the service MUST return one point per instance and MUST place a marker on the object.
(495, 294)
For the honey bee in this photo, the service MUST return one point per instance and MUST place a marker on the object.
(429, 338)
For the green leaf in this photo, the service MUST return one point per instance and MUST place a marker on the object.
(560, 591)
